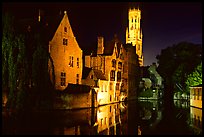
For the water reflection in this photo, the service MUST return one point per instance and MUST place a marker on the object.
(130, 118)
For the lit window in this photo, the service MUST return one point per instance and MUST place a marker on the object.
(118, 76)
(63, 79)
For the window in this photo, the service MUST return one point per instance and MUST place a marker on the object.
(71, 61)
(111, 86)
(119, 65)
(77, 78)
(117, 86)
(110, 98)
(110, 108)
(64, 41)
(110, 121)
(114, 63)
(112, 75)
(118, 76)
(63, 79)
(78, 63)
(65, 29)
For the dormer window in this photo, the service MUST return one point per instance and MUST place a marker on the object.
(65, 29)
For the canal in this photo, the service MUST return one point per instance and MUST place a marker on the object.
(135, 117)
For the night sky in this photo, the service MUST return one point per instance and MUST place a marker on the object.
(163, 24)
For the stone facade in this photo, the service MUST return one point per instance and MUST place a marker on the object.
(134, 32)
(109, 60)
(66, 56)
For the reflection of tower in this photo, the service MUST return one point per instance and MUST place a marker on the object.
(134, 32)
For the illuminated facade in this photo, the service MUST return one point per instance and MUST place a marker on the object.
(134, 32)
(109, 60)
(196, 107)
(66, 56)
(196, 96)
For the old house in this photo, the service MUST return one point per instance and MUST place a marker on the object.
(108, 58)
(66, 55)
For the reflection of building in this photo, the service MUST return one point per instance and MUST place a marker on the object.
(104, 120)
(108, 118)
(196, 118)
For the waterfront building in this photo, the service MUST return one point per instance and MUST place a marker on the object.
(196, 108)
(65, 53)
(108, 58)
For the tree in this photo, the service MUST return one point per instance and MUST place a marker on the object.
(43, 89)
(9, 51)
(176, 62)
(195, 78)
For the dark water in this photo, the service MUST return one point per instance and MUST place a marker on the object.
(131, 118)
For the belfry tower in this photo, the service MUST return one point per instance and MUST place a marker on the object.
(134, 32)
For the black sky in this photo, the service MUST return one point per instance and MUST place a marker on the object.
(163, 24)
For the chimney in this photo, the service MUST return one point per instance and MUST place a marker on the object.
(100, 48)
(39, 15)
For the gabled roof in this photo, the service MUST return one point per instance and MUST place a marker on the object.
(109, 46)
(99, 74)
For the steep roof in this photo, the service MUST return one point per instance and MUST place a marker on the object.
(109, 46)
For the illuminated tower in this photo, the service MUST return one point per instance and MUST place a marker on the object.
(134, 32)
